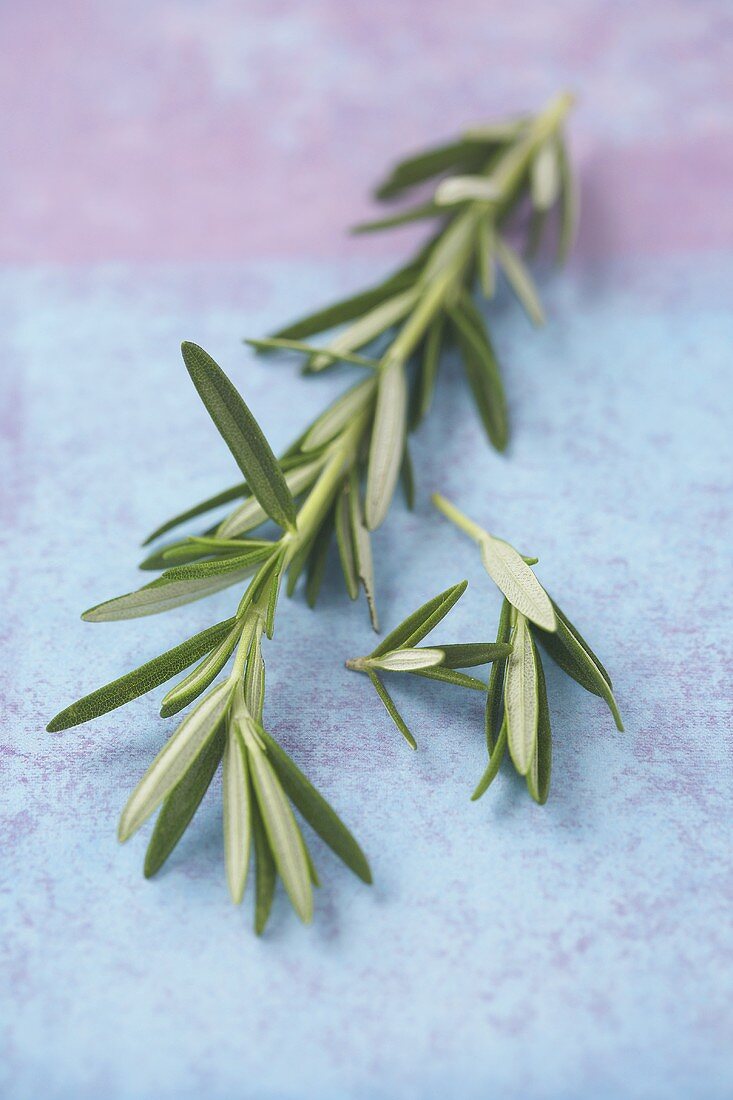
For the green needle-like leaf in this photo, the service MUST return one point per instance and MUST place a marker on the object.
(414, 214)
(538, 776)
(492, 768)
(179, 697)
(419, 624)
(495, 697)
(161, 595)
(237, 819)
(174, 760)
(578, 637)
(391, 708)
(545, 176)
(283, 834)
(327, 354)
(387, 443)
(429, 368)
(318, 561)
(482, 371)
(408, 660)
(450, 676)
(349, 308)
(576, 658)
(431, 162)
(181, 804)
(316, 811)
(217, 567)
(520, 281)
(141, 680)
(362, 544)
(521, 697)
(265, 870)
(225, 497)
(470, 654)
(345, 540)
(251, 513)
(242, 434)
(511, 574)
(339, 414)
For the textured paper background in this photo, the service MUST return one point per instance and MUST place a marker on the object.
(187, 170)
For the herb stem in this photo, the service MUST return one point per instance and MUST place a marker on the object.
(459, 518)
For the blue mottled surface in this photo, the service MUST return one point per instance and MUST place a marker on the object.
(504, 949)
(178, 171)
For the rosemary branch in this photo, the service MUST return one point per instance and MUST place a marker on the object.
(315, 490)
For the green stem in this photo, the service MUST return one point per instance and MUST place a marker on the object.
(460, 519)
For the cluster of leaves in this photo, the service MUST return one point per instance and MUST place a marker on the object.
(517, 711)
(396, 332)
(261, 784)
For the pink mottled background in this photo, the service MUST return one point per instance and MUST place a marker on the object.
(229, 131)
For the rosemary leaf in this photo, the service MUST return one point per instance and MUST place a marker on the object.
(487, 276)
(431, 162)
(545, 176)
(391, 708)
(242, 434)
(345, 540)
(348, 308)
(339, 414)
(316, 810)
(181, 804)
(413, 214)
(520, 696)
(569, 205)
(174, 760)
(576, 658)
(408, 660)
(217, 567)
(470, 654)
(482, 372)
(237, 817)
(252, 514)
(328, 355)
(562, 617)
(265, 870)
(511, 574)
(450, 676)
(362, 544)
(283, 834)
(520, 280)
(254, 682)
(225, 497)
(460, 189)
(495, 698)
(179, 697)
(407, 475)
(154, 598)
(538, 776)
(492, 768)
(141, 680)
(417, 625)
(318, 560)
(429, 368)
(387, 443)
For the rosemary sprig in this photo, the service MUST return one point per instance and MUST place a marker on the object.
(497, 169)
(517, 710)
(399, 652)
(261, 783)
(315, 490)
